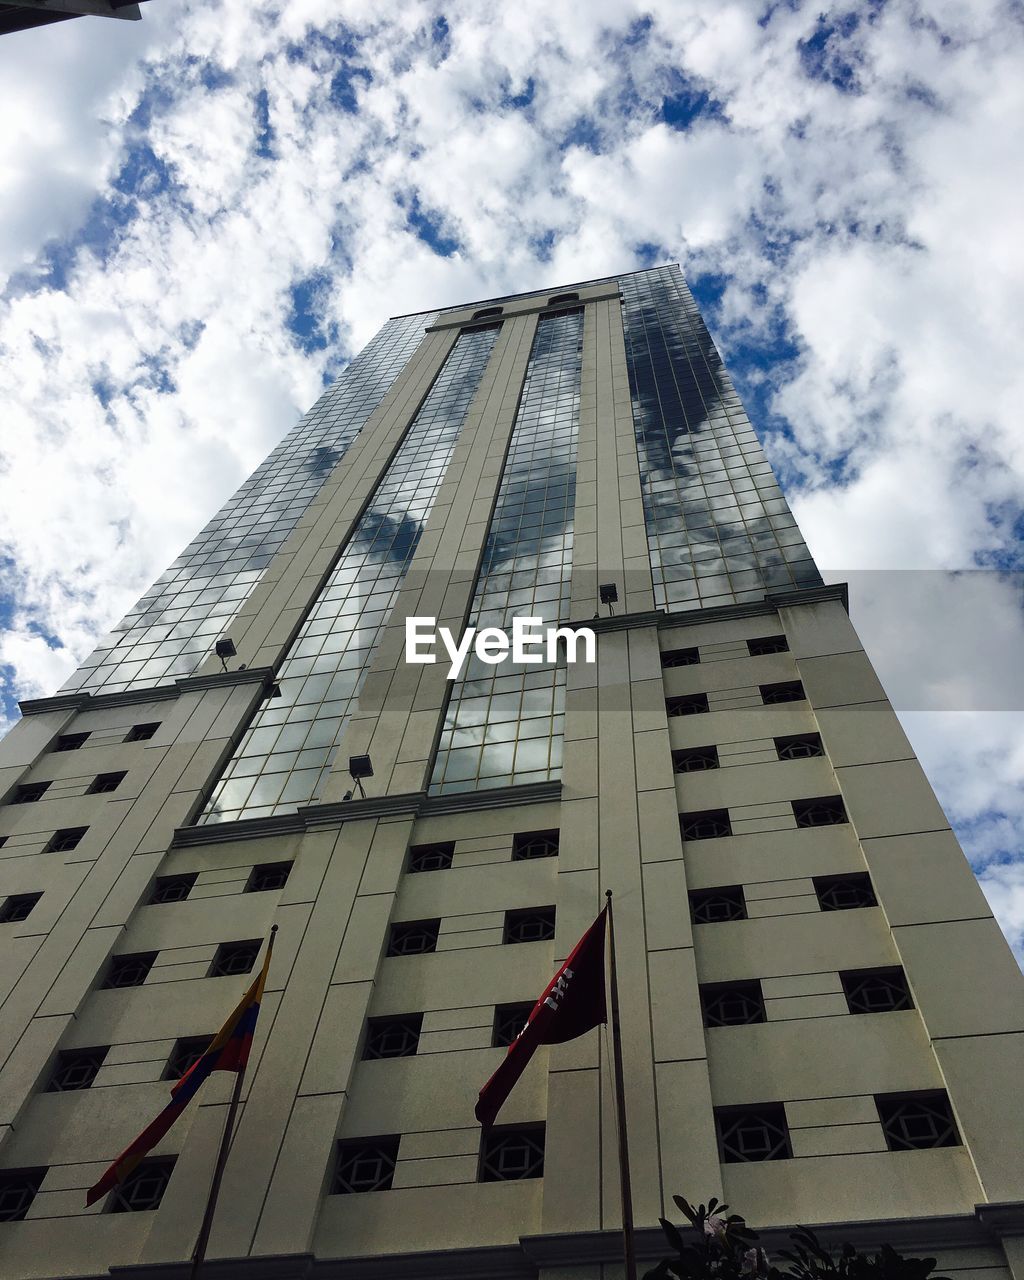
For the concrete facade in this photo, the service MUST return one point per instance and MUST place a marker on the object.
(616, 807)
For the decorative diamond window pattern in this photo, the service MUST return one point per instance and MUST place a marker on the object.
(268, 876)
(144, 1187)
(695, 759)
(535, 924)
(18, 907)
(825, 811)
(509, 1020)
(534, 844)
(767, 644)
(186, 1053)
(714, 906)
(687, 704)
(509, 1155)
(18, 1189)
(432, 857)
(142, 732)
(801, 746)
(732, 1004)
(413, 938)
(129, 970)
(76, 1069)
(680, 657)
(876, 990)
(784, 691)
(29, 792)
(365, 1164)
(845, 893)
(233, 958)
(104, 782)
(70, 742)
(747, 1134)
(172, 888)
(393, 1037)
(66, 839)
(917, 1121)
(706, 825)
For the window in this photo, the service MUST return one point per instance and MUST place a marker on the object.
(365, 1164)
(508, 1155)
(707, 825)
(393, 1037)
(509, 1020)
(18, 1189)
(29, 792)
(268, 876)
(487, 313)
(141, 732)
(917, 1121)
(767, 644)
(233, 958)
(66, 839)
(104, 782)
(876, 990)
(713, 906)
(825, 811)
(731, 1004)
(129, 970)
(688, 704)
(186, 1053)
(172, 888)
(680, 657)
(76, 1069)
(431, 857)
(844, 893)
(563, 297)
(18, 907)
(535, 924)
(534, 844)
(753, 1133)
(695, 759)
(785, 691)
(70, 742)
(802, 746)
(144, 1187)
(413, 938)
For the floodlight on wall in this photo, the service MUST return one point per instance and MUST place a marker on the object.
(224, 649)
(360, 767)
(609, 593)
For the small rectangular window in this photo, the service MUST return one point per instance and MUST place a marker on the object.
(18, 907)
(800, 746)
(70, 742)
(393, 1037)
(748, 1134)
(233, 958)
(268, 877)
(876, 990)
(534, 844)
(687, 704)
(510, 1154)
(29, 792)
(509, 1020)
(535, 924)
(680, 657)
(825, 811)
(76, 1069)
(917, 1121)
(172, 888)
(844, 893)
(732, 1004)
(708, 824)
(413, 937)
(186, 1053)
(695, 759)
(129, 970)
(783, 691)
(767, 644)
(65, 839)
(104, 782)
(18, 1188)
(714, 906)
(141, 732)
(432, 857)
(365, 1164)
(143, 1188)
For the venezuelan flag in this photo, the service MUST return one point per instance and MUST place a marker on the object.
(228, 1051)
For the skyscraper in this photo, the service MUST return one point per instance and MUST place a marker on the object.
(823, 1023)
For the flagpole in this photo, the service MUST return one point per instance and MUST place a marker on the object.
(628, 1251)
(203, 1239)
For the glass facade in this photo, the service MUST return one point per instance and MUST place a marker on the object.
(505, 724)
(174, 626)
(290, 744)
(718, 528)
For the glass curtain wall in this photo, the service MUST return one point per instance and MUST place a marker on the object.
(288, 748)
(718, 528)
(505, 724)
(174, 626)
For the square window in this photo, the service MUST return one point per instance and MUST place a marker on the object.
(76, 1069)
(233, 958)
(747, 1134)
(876, 990)
(18, 907)
(714, 906)
(18, 1189)
(186, 1053)
(70, 742)
(65, 839)
(783, 691)
(695, 759)
(534, 844)
(767, 644)
(732, 1004)
(129, 970)
(144, 1187)
(141, 732)
(267, 877)
(509, 1020)
(844, 893)
(104, 782)
(680, 657)
(393, 1037)
(917, 1121)
(29, 792)
(535, 924)
(510, 1154)
(365, 1164)
(172, 888)
(688, 704)
(801, 746)
(709, 824)
(432, 857)
(825, 811)
(413, 937)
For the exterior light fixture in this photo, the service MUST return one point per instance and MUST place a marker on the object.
(360, 767)
(224, 649)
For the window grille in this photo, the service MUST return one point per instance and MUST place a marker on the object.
(172, 888)
(746, 1134)
(509, 1020)
(141, 732)
(767, 644)
(432, 857)
(707, 825)
(18, 1189)
(535, 924)
(917, 1121)
(66, 839)
(144, 1187)
(18, 907)
(844, 893)
(732, 1004)
(129, 970)
(876, 990)
(233, 958)
(366, 1164)
(801, 746)
(413, 937)
(186, 1053)
(393, 1037)
(76, 1069)
(29, 792)
(695, 759)
(680, 657)
(714, 906)
(784, 691)
(268, 876)
(70, 742)
(825, 811)
(534, 844)
(104, 782)
(687, 704)
(508, 1155)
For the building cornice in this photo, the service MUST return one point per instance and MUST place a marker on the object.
(84, 701)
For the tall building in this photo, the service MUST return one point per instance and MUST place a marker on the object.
(822, 1021)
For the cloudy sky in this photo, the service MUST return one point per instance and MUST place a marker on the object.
(204, 214)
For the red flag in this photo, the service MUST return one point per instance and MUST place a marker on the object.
(572, 1003)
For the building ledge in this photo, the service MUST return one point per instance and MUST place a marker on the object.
(82, 700)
